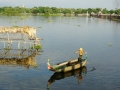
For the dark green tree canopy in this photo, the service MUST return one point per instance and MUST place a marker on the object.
(8, 10)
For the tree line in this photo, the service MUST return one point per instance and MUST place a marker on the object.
(8, 10)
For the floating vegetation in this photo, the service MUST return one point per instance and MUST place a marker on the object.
(110, 44)
(39, 27)
(15, 21)
(6, 48)
(16, 26)
(117, 20)
(73, 18)
(49, 20)
(79, 25)
(37, 47)
(35, 65)
(22, 18)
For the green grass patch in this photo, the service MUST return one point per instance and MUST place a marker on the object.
(37, 47)
(6, 48)
(39, 27)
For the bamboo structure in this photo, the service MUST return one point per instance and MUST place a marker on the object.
(17, 46)
(22, 37)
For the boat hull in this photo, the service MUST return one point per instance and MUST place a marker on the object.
(73, 67)
(67, 67)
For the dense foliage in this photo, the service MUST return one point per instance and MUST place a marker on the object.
(8, 10)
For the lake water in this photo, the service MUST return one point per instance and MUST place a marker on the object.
(62, 36)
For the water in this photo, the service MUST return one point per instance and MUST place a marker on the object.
(62, 36)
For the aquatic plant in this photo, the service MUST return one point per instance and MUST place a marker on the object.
(16, 26)
(39, 27)
(6, 48)
(37, 47)
(79, 25)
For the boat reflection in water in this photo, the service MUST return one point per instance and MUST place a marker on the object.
(26, 59)
(78, 73)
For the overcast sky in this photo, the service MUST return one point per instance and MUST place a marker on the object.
(108, 4)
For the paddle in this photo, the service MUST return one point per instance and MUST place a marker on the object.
(88, 63)
(86, 55)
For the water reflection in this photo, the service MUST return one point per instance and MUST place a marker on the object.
(78, 73)
(24, 58)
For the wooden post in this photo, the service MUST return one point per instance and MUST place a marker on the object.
(4, 44)
(18, 53)
(18, 45)
(8, 36)
(22, 45)
(11, 44)
(25, 44)
(8, 45)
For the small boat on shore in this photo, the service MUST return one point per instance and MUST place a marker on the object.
(67, 65)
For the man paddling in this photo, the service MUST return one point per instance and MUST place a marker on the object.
(81, 53)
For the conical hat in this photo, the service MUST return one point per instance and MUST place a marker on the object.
(80, 49)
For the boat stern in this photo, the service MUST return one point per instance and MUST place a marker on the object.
(84, 63)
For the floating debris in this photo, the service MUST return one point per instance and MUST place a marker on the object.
(79, 25)
(39, 27)
(110, 44)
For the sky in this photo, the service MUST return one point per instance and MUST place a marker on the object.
(108, 4)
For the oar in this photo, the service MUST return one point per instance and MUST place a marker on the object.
(86, 56)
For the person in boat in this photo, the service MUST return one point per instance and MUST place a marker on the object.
(81, 53)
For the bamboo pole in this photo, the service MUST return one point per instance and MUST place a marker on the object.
(4, 44)
(18, 45)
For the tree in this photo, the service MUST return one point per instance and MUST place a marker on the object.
(34, 10)
(104, 11)
(117, 11)
(78, 11)
(55, 10)
(84, 10)
(112, 11)
(98, 9)
(94, 10)
(66, 11)
(48, 10)
(89, 10)
(41, 9)
(8, 10)
(1, 10)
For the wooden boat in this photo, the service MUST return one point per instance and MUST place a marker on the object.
(67, 66)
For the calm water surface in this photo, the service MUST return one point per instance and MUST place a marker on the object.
(62, 36)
